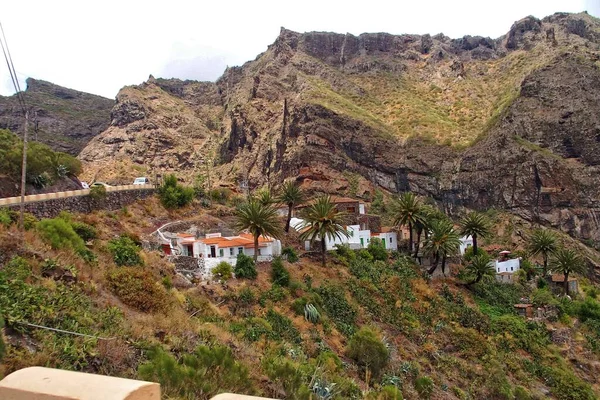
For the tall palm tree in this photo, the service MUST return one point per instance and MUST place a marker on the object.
(480, 267)
(543, 242)
(428, 214)
(323, 221)
(566, 262)
(408, 212)
(291, 195)
(259, 219)
(443, 241)
(475, 225)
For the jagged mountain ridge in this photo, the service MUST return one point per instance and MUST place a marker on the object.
(64, 119)
(510, 123)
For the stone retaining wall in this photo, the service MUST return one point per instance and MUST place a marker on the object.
(114, 200)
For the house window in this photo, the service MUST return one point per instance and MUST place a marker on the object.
(351, 233)
(391, 239)
(240, 250)
(351, 210)
(511, 268)
(221, 253)
(231, 251)
(259, 252)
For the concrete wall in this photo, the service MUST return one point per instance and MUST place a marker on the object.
(38, 383)
(49, 205)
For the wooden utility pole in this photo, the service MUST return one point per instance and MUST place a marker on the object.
(24, 172)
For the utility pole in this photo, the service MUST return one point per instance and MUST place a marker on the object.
(24, 172)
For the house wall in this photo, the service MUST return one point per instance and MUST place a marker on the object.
(370, 222)
(465, 243)
(507, 266)
(391, 240)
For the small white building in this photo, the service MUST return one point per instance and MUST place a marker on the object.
(506, 269)
(465, 243)
(214, 248)
(357, 238)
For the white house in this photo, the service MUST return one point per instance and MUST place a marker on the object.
(357, 238)
(214, 248)
(506, 269)
(465, 243)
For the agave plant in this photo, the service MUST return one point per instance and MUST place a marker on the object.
(323, 390)
(311, 313)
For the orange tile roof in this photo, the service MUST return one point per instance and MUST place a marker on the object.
(244, 239)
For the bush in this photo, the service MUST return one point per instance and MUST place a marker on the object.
(5, 218)
(125, 252)
(60, 234)
(200, 375)
(424, 386)
(98, 192)
(283, 327)
(2, 347)
(85, 231)
(589, 309)
(222, 271)
(137, 288)
(173, 195)
(367, 349)
(520, 393)
(386, 393)
(279, 275)
(289, 254)
(244, 267)
(377, 249)
(338, 308)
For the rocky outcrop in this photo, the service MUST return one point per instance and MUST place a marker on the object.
(321, 107)
(62, 118)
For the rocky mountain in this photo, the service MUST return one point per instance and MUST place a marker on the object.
(62, 118)
(512, 122)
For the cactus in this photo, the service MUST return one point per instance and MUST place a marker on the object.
(311, 313)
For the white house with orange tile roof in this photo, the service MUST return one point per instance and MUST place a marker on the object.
(214, 248)
(357, 238)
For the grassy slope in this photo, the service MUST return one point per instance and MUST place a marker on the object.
(471, 346)
(429, 101)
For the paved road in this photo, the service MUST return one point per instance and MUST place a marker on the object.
(34, 198)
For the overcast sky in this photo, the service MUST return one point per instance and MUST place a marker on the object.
(100, 46)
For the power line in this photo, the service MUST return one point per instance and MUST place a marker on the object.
(62, 331)
(11, 69)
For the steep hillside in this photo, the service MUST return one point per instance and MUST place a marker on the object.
(423, 338)
(477, 122)
(62, 118)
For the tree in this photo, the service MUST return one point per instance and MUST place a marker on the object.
(173, 195)
(476, 225)
(367, 349)
(480, 267)
(323, 221)
(427, 214)
(442, 242)
(259, 220)
(566, 262)
(408, 212)
(543, 242)
(291, 195)
(265, 197)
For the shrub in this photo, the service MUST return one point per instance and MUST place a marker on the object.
(365, 254)
(246, 296)
(98, 192)
(60, 234)
(283, 327)
(588, 309)
(424, 386)
(520, 393)
(367, 349)
(2, 346)
(200, 375)
(85, 231)
(311, 313)
(125, 252)
(279, 275)
(377, 249)
(173, 195)
(244, 267)
(311, 298)
(222, 271)
(386, 393)
(137, 288)
(5, 218)
(338, 308)
(220, 195)
(289, 254)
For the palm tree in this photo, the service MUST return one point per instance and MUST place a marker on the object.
(566, 262)
(259, 219)
(442, 242)
(291, 195)
(428, 214)
(475, 225)
(480, 266)
(265, 197)
(408, 212)
(323, 221)
(543, 242)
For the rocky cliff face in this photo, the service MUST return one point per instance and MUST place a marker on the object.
(511, 122)
(62, 118)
